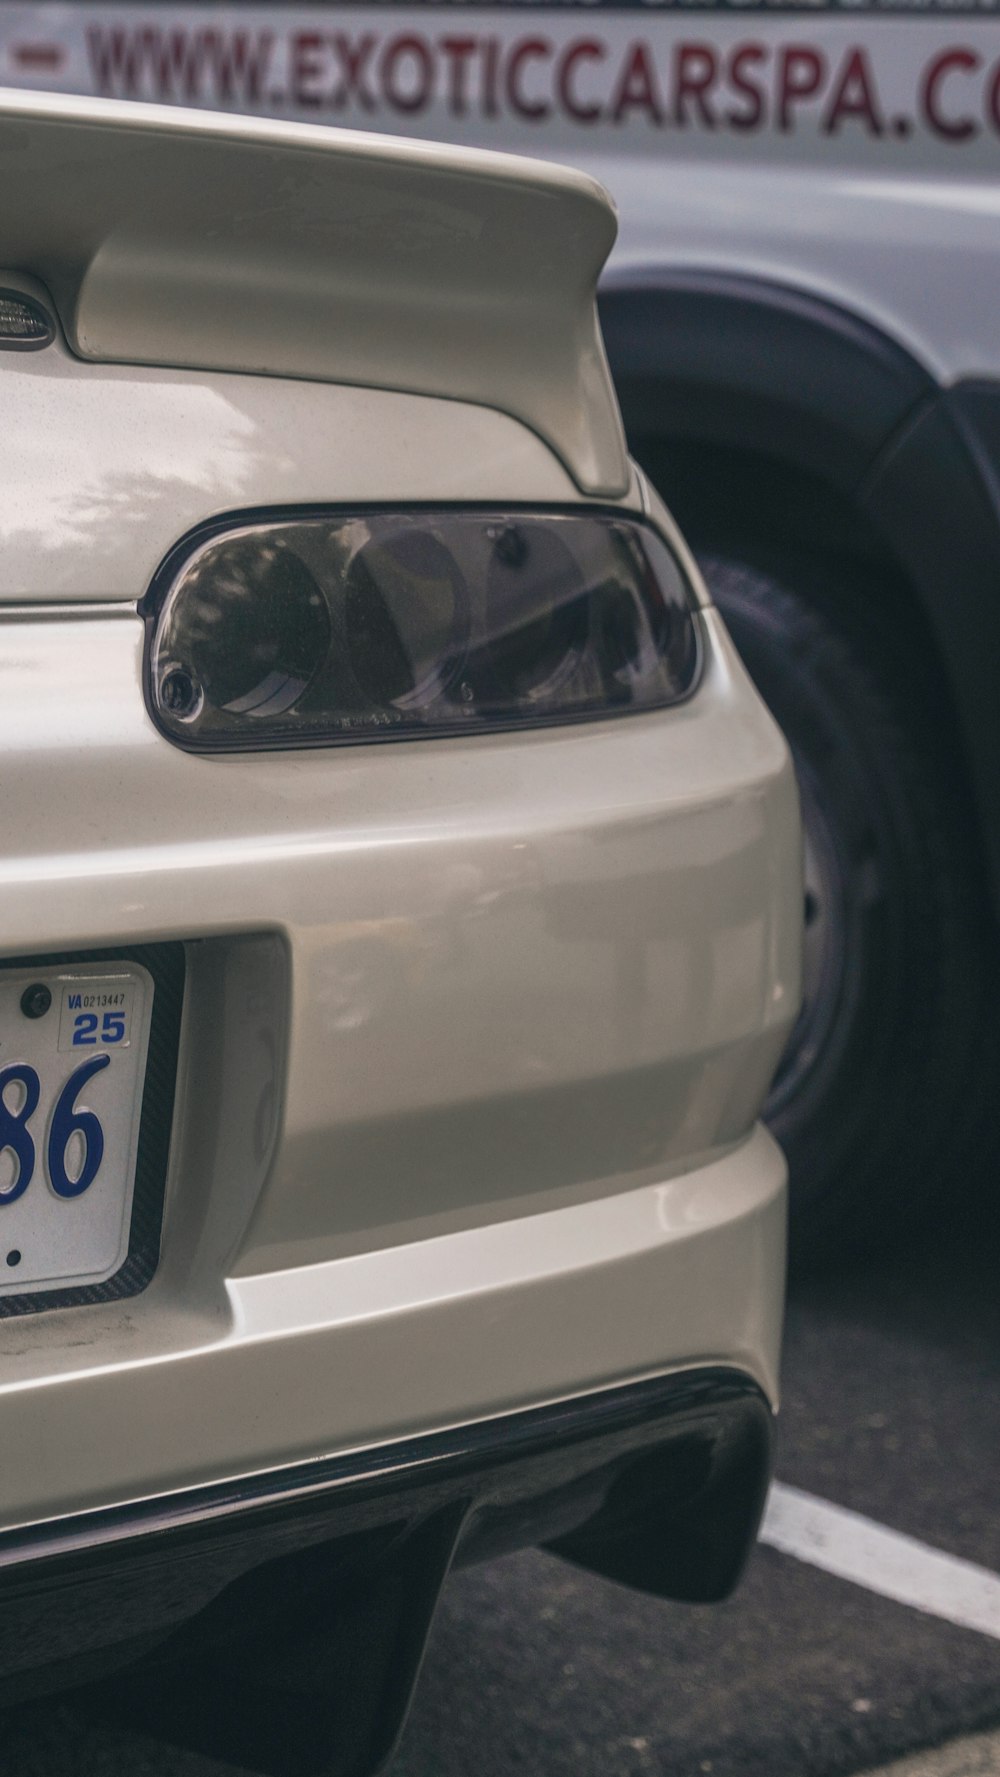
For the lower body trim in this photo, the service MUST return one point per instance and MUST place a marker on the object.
(278, 1621)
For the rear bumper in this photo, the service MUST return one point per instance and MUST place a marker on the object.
(250, 1607)
(379, 1346)
(473, 1037)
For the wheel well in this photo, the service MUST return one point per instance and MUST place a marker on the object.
(790, 523)
(722, 493)
(785, 429)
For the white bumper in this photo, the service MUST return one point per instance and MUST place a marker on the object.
(474, 1038)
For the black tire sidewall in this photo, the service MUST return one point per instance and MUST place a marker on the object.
(864, 1128)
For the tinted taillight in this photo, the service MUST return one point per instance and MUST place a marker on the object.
(324, 629)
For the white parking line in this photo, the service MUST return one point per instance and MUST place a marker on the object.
(882, 1560)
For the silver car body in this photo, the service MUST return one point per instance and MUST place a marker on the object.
(475, 1030)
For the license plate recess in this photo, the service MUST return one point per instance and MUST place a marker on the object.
(88, 1048)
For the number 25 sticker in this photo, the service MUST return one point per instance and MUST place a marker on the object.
(85, 1032)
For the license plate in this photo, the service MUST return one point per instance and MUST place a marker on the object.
(73, 1043)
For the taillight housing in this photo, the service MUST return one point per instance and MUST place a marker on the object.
(322, 628)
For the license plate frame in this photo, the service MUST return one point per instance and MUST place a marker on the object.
(132, 1264)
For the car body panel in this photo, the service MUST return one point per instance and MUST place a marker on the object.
(157, 1396)
(464, 1173)
(104, 467)
(415, 1016)
(171, 237)
(437, 1151)
(840, 235)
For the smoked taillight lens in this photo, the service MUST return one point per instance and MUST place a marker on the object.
(329, 628)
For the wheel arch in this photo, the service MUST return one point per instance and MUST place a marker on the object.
(775, 421)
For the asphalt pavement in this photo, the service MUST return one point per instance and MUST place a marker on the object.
(892, 1409)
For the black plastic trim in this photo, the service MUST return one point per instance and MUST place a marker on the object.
(278, 1622)
(935, 495)
(165, 963)
(757, 365)
(386, 1472)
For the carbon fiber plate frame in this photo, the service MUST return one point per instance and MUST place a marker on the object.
(165, 963)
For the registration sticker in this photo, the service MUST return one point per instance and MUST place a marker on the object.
(96, 1016)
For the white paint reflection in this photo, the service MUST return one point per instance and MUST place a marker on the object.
(81, 454)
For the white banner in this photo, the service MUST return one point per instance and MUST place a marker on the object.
(828, 81)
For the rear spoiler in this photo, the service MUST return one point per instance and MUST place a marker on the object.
(230, 243)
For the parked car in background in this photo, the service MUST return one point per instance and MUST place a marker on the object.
(399, 897)
(799, 317)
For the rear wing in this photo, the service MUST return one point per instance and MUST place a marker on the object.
(190, 239)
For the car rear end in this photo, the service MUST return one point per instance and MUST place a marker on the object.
(399, 898)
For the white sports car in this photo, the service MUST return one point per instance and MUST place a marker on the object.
(400, 899)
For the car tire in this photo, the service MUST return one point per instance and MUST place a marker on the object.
(881, 1094)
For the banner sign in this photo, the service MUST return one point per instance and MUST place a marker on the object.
(877, 76)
